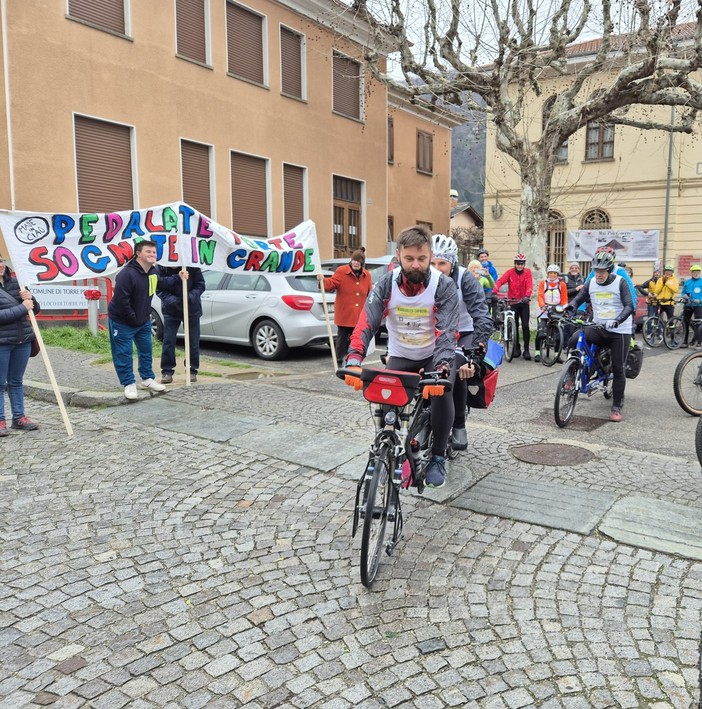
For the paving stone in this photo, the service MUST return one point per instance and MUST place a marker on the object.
(71, 664)
(655, 524)
(548, 504)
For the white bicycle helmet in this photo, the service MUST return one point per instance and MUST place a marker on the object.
(552, 268)
(444, 247)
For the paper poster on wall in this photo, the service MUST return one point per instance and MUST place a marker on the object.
(630, 245)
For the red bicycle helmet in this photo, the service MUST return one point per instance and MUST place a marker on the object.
(520, 258)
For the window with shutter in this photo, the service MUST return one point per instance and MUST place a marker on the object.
(195, 168)
(105, 14)
(291, 63)
(191, 29)
(103, 166)
(245, 33)
(249, 195)
(425, 152)
(347, 86)
(293, 195)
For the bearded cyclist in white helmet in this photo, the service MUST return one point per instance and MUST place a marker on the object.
(474, 325)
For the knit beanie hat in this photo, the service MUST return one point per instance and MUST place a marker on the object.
(359, 256)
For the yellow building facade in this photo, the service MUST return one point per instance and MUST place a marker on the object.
(607, 177)
(260, 114)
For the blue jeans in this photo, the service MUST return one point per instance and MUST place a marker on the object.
(171, 323)
(122, 341)
(13, 362)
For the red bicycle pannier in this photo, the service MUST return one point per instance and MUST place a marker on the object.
(387, 386)
(481, 391)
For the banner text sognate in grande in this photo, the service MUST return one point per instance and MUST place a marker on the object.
(59, 247)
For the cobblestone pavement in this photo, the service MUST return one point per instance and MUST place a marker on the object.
(142, 566)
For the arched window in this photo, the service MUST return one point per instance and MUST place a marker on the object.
(562, 152)
(595, 219)
(556, 239)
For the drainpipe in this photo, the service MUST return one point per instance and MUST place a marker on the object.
(8, 117)
(667, 187)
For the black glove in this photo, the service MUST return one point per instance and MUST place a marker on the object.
(525, 300)
(569, 308)
(443, 369)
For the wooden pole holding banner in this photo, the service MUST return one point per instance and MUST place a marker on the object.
(329, 328)
(186, 327)
(50, 372)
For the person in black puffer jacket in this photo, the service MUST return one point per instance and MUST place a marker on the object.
(170, 291)
(16, 337)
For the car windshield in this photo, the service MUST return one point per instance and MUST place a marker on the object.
(307, 284)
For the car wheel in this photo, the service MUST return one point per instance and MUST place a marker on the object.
(268, 340)
(156, 325)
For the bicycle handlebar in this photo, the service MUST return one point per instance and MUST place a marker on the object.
(429, 379)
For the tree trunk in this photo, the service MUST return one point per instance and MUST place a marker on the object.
(534, 217)
(534, 211)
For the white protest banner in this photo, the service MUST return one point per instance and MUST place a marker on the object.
(54, 248)
(631, 245)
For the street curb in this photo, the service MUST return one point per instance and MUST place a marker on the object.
(80, 398)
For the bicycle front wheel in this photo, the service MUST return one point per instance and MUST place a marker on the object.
(687, 383)
(552, 345)
(674, 333)
(652, 332)
(510, 339)
(375, 518)
(567, 393)
(698, 440)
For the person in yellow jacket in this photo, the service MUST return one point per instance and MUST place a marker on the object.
(665, 289)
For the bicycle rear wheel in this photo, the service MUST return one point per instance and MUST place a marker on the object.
(375, 518)
(510, 339)
(652, 331)
(674, 332)
(698, 440)
(567, 393)
(687, 383)
(551, 345)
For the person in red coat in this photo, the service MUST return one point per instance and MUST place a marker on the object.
(352, 284)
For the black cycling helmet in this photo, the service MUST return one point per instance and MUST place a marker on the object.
(604, 258)
(483, 251)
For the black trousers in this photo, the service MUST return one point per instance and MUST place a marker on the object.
(521, 314)
(343, 340)
(441, 406)
(618, 344)
(688, 313)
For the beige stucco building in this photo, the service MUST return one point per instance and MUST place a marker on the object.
(258, 113)
(607, 177)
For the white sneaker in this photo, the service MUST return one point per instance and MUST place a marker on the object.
(130, 392)
(153, 385)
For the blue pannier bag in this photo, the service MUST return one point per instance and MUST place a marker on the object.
(493, 357)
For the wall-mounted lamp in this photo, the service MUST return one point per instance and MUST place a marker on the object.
(496, 210)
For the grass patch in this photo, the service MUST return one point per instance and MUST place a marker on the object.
(80, 339)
